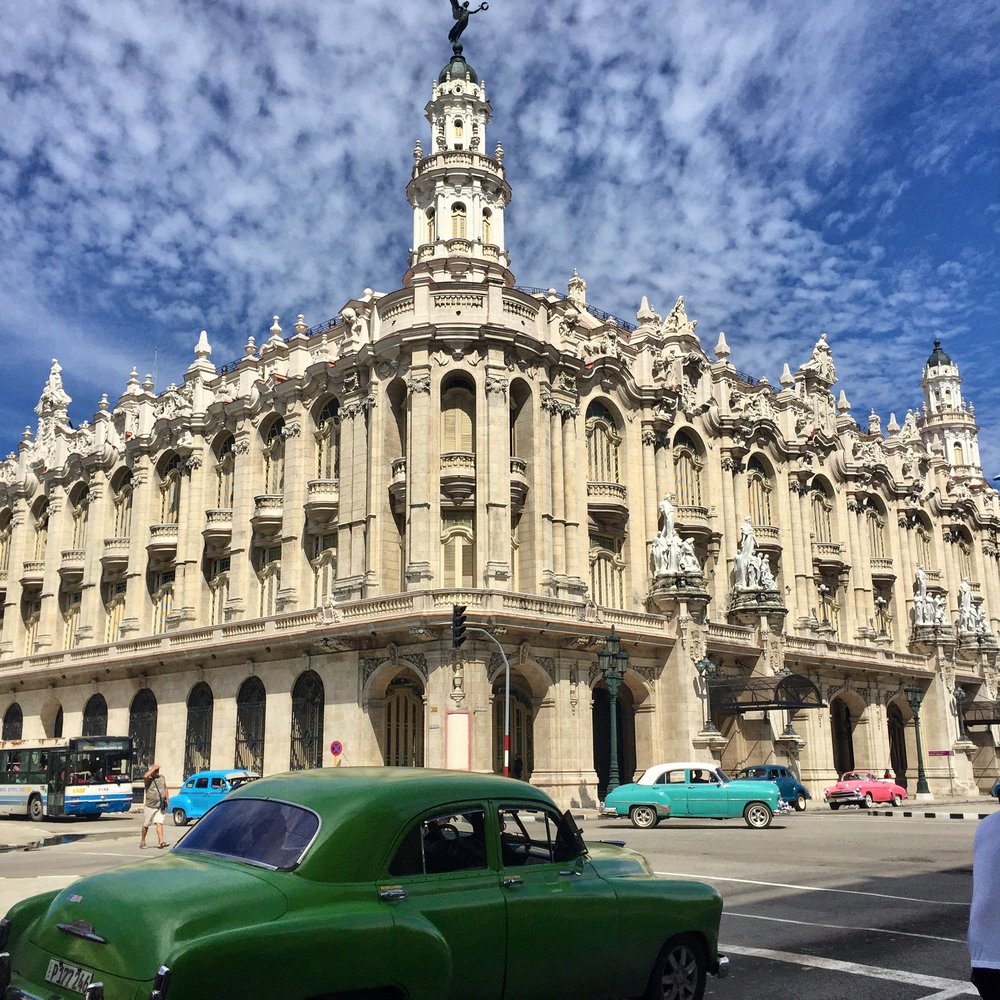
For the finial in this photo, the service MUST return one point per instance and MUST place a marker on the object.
(722, 347)
(418, 151)
(787, 379)
(645, 313)
(301, 327)
(275, 329)
(251, 349)
(147, 383)
(498, 153)
(843, 406)
(874, 423)
(203, 349)
(104, 405)
(892, 427)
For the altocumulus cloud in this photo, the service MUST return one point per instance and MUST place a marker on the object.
(788, 168)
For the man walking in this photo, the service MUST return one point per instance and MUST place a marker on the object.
(156, 800)
(984, 918)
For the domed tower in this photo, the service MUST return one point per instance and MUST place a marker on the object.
(947, 418)
(458, 193)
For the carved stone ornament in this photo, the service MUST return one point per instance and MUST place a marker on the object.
(418, 384)
(496, 384)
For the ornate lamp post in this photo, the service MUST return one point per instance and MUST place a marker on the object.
(612, 661)
(960, 696)
(880, 615)
(707, 669)
(824, 592)
(914, 696)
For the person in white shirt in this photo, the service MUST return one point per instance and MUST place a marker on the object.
(984, 917)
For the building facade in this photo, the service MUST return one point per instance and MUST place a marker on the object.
(249, 566)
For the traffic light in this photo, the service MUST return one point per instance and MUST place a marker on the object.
(457, 625)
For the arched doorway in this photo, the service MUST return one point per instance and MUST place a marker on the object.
(404, 722)
(601, 716)
(307, 722)
(198, 735)
(13, 722)
(522, 742)
(250, 706)
(897, 743)
(142, 729)
(95, 716)
(842, 728)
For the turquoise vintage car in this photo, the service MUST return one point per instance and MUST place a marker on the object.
(377, 883)
(694, 789)
(202, 790)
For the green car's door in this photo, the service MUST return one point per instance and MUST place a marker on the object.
(706, 795)
(562, 918)
(442, 881)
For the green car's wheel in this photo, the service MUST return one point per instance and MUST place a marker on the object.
(180, 817)
(36, 811)
(680, 971)
(897, 800)
(757, 816)
(800, 803)
(643, 817)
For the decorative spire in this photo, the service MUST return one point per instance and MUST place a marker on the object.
(722, 351)
(787, 379)
(203, 349)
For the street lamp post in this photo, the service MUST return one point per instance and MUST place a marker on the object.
(914, 696)
(960, 697)
(612, 661)
(707, 669)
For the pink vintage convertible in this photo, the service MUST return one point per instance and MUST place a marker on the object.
(864, 789)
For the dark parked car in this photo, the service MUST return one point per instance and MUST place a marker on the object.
(792, 790)
(375, 882)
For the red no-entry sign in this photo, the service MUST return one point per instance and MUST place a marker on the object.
(336, 748)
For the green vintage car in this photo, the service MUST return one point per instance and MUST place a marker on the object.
(370, 884)
(693, 789)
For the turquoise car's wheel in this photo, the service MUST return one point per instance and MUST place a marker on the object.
(180, 817)
(643, 817)
(680, 971)
(757, 815)
(800, 803)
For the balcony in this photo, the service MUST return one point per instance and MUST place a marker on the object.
(71, 564)
(883, 568)
(322, 499)
(218, 530)
(768, 537)
(397, 486)
(32, 573)
(829, 555)
(115, 554)
(693, 520)
(518, 483)
(608, 501)
(162, 542)
(268, 513)
(458, 476)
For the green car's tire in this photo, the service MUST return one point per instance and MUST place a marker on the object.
(800, 803)
(180, 817)
(680, 971)
(643, 817)
(757, 815)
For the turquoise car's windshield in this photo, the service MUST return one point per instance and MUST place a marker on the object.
(722, 774)
(259, 831)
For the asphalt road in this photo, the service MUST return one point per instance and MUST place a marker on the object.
(823, 906)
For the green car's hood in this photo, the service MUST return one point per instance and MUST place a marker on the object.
(147, 911)
(612, 861)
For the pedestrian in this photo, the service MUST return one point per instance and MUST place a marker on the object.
(984, 917)
(156, 800)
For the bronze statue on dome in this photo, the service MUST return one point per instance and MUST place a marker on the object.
(461, 13)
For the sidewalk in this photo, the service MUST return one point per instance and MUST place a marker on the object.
(20, 834)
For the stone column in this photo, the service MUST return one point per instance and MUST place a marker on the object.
(558, 472)
(296, 590)
(247, 483)
(423, 462)
(493, 482)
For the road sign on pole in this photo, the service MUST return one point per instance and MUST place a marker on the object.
(940, 753)
(336, 748)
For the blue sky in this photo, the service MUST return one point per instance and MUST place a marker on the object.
(790, 168)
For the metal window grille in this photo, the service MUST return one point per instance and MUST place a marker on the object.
(250, 704)
(198, 736)
(142, 729)
(307, 722)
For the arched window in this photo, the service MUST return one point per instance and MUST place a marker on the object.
(759, 492)
(170, 491)
(821, 514)
(161, 592)
(6, 530)
(81, 511)
(217, 578)
(308, 698)
(70, 598)
(268, 559)
(404, 723)
(924, 546)
(875, 520)
(31, 615)
(687, 471)
(57, 725)
(965, 570)
(274, 459)
(122, 493)
(250, 706)
(328, 441)
(487, 226)
(458, 228)
(41, 528)
(458, 549)
(458, 419)
(459, 128)
(607, 571)
(13, 722)
(95, 716)
(113, 594)
(603, 444)
(142, 729)
(225, 474)
(198, 734)
(324, 567)
(431, 225)
(959, 453)
(842, 726)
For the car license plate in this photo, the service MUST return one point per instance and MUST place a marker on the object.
(70, 977)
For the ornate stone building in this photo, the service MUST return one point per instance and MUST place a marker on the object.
(256, 562)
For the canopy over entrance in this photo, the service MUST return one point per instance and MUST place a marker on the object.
(982, 713)
(736, 695)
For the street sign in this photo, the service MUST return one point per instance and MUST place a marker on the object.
(940, 753)
(336, 748)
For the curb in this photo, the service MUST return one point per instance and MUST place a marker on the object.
(927, 815)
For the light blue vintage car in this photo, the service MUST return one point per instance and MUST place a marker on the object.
(202, 790)
(693, 789)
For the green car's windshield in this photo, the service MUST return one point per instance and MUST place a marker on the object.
(259, 831)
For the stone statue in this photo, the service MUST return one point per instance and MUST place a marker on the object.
(923, 603)
(970, 615)
(461, 13)
(939, 609)
(742, 568)
(688, 562)
(670, 554)
(762, 568)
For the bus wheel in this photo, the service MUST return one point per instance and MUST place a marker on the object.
(36, 810)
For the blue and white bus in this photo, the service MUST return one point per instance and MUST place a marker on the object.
(79, 776)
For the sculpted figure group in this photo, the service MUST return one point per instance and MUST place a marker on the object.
(751, 569)
(672, 555)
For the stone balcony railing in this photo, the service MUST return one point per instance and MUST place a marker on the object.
(218, 528)
(458, 476)
(33, 573)
(162, 542)
(71, 564)
(268, 513)
(518, 482)
(322, 499)
(828, 554)
(608, 500)
(115, 554)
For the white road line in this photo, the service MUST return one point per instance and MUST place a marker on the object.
(844, 927)
(959, 991)
(808, 888)
(945, 987)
